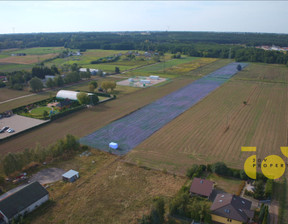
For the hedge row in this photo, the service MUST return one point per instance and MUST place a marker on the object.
(66, 112)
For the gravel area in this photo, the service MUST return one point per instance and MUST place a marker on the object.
(47, 176)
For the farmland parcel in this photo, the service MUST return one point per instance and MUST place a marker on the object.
(131, 130)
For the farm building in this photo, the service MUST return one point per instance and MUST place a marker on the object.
(201, 187)
(92, 70)
(70, 176)
(22, 201)
(67, 94)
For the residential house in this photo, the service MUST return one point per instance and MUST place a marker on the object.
(22, 201)
(201, 187)
(231, 209)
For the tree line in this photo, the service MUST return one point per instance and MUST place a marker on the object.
(14, 162)
(134, 40)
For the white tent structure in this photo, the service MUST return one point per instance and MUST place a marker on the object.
(67, 94)
(113, 145)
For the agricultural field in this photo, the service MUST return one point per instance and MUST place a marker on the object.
(108, 191)
(27, 60)
(33, 55)
(131, 130)
(34, 51)
(216, 128)
(172, 68)
(7, 94)
(86, 121)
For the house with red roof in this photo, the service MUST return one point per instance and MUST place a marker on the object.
(201, 187)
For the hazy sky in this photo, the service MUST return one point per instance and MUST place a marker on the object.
(66, 16)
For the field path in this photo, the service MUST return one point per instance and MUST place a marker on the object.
(20, 97)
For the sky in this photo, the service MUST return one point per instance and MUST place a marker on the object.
(75, 16)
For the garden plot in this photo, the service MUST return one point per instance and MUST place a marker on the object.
(131, 130)
(141, 81)
(18, 123)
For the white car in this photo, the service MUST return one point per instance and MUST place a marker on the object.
(10, 130)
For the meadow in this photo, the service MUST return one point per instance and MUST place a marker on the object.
(108, 191)
(215, 129)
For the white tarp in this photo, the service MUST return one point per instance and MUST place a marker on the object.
(113, 145)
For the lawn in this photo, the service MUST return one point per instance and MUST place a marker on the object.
(226, 184)
(38, 111)
(108, 191)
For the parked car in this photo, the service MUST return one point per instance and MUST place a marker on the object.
(10, 130)
(3, 129)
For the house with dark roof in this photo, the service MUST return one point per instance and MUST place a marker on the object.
(201, 187)
(228, 208)
(22, 201)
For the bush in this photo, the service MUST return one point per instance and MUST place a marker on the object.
(220, 168)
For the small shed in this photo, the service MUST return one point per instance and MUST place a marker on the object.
(70, 176)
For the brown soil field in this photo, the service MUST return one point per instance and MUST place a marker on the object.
(6, 93)
(216, 128)
(108, 191)
(28, 59)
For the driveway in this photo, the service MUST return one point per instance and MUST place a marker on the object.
(47, 176)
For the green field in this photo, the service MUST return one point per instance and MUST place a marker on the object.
(36, 50)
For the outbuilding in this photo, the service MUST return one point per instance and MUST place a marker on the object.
(70, 176)
(67, 94)
(22, 201)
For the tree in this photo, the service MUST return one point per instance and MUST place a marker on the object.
(50, 83)
(94, 99)
(36, 84)
(59, 80)
(259, 190)
(220, 168)
(117, 70)
(54, 69)
(239, 67)
(45, 114)
(83, 98)
(2, 84)
(108, 85)
(92, 86)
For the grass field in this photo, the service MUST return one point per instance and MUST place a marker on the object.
(35, 50)
(26, 60)
(6, 93)
(107, 192)
(216, 128)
